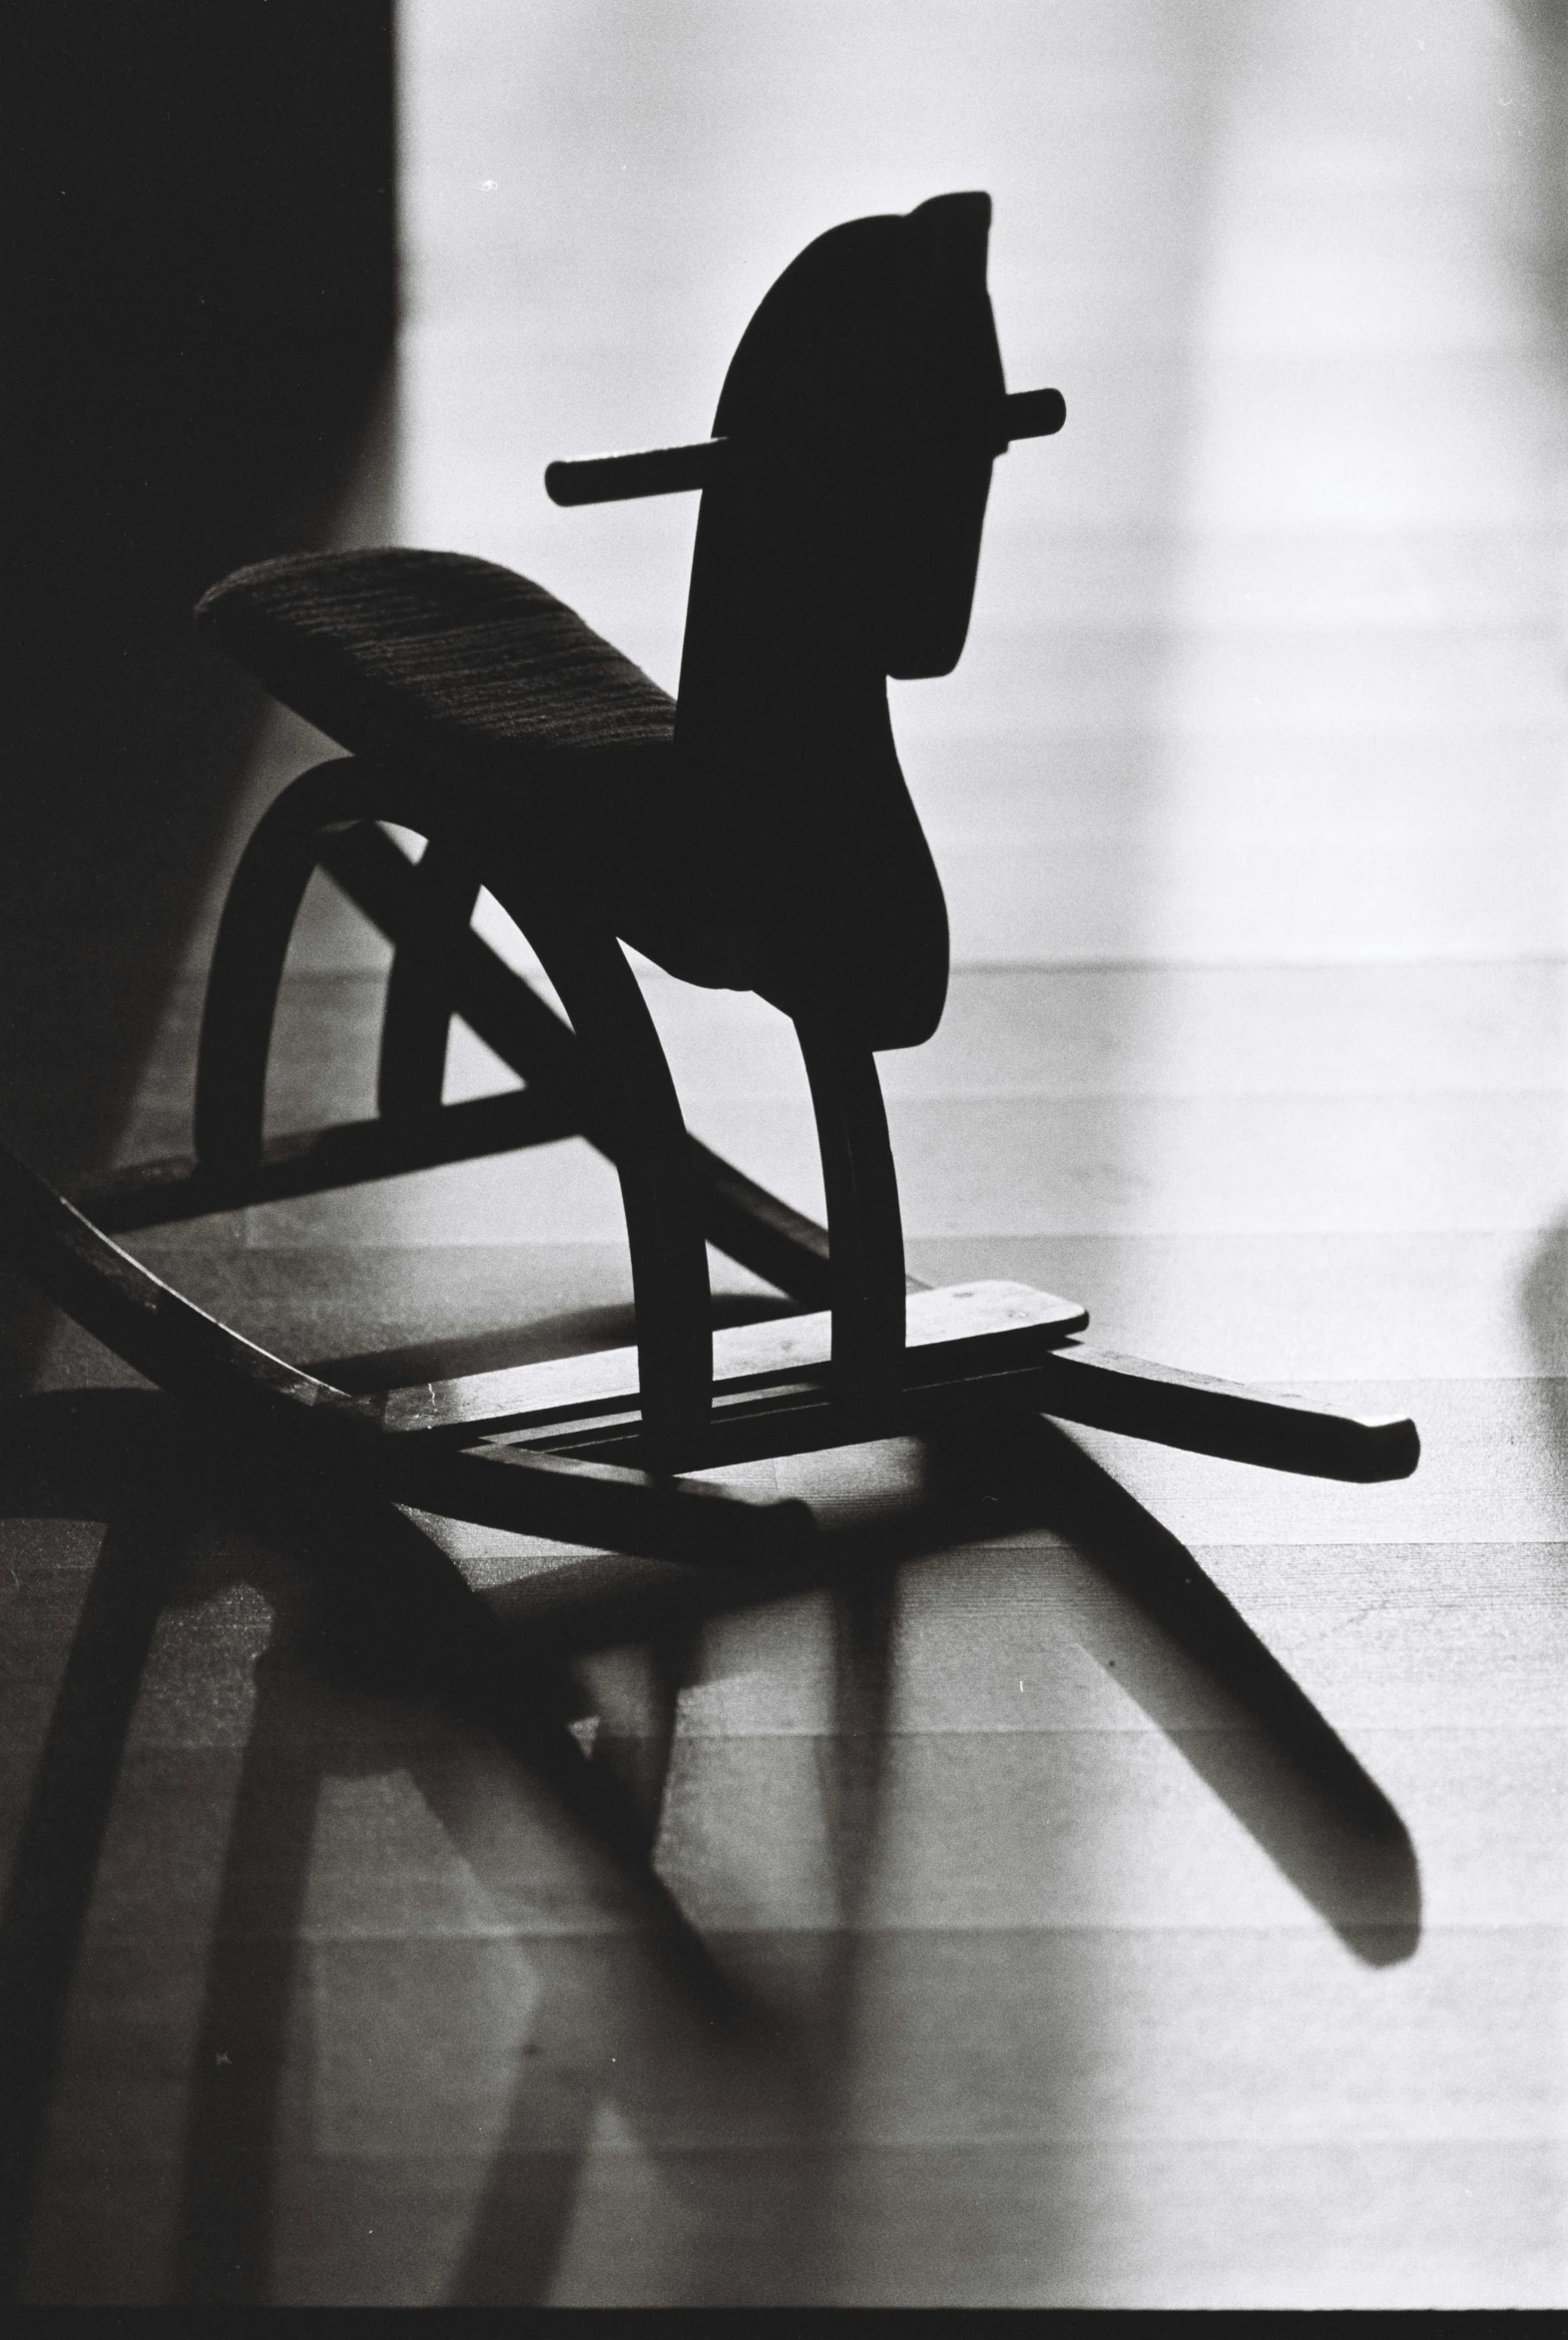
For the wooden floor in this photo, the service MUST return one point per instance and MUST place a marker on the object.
(1157, 1898)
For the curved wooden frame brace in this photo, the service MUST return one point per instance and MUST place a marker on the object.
(741, 1218)
(421, 983)
(633, 1104)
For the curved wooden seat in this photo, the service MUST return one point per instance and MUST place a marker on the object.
(441, 661)
(458, 673)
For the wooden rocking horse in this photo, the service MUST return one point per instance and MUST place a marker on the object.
(756, 834)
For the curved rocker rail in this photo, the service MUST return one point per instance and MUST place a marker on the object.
(68, 1253)
(531, 1449)
(242, 1391)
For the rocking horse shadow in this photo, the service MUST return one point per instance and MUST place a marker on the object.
(365, 1567)
(399, 1624)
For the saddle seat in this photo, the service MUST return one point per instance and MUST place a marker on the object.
(514, 715)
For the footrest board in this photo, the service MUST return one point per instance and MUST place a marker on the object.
(987, 1329)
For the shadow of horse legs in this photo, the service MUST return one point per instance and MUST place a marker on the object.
(638, 2024)
(57, 1852)
(1274, 1759)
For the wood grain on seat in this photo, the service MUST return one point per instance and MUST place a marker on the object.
(484, 683)
(431, 657)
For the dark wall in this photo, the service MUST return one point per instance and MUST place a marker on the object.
(200, 233)
(199, 291)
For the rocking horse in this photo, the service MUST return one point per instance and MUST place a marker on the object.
(756, 833)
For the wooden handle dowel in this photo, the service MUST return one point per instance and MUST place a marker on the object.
(1034, 414)
(606, 479)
